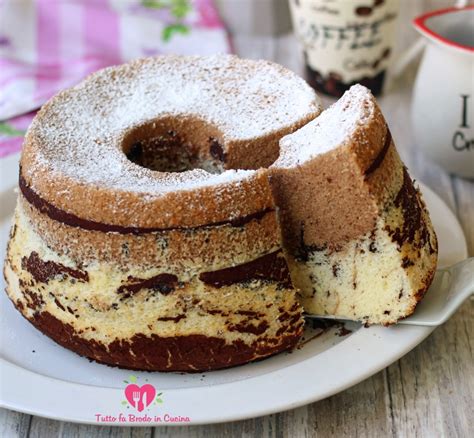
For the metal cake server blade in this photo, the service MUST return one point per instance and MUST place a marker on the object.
(450, 287)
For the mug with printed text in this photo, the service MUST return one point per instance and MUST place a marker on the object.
(345, 42)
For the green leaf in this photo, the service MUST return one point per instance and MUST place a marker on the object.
(173, 29)
(159, 400)
(153, 4)
(177, 8)
(180, 8)
(124, 402)
(132, 379)
(125, 381)
(10, 131)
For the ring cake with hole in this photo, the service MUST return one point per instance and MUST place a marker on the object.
(135, 242)
(168, 206)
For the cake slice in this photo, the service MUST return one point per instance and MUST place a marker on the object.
(358, 238)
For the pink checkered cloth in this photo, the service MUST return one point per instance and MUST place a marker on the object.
(49, 45)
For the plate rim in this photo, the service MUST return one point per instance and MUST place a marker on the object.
(113, 395)
(15, 380)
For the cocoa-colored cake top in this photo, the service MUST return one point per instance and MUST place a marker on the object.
(77, 154)
(336, 174)
(333, 128)
(79, 133)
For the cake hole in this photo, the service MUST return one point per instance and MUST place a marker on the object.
(176, 145)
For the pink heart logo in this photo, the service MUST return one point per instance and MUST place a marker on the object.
(140, 396)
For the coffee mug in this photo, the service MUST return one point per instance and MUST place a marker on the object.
(443, 96)
(345, 42)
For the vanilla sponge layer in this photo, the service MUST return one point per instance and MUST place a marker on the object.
(374, 278)
(263, 315)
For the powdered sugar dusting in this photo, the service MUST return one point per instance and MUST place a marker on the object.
(331, 129)
(78, 133)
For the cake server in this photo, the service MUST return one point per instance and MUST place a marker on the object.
(450, 287)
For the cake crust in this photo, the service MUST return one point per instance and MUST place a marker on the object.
(165, 317)
(231, 111)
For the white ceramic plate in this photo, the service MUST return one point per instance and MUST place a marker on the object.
(41, 378)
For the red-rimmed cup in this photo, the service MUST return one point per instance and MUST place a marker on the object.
(450, 28)
(443, 96)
